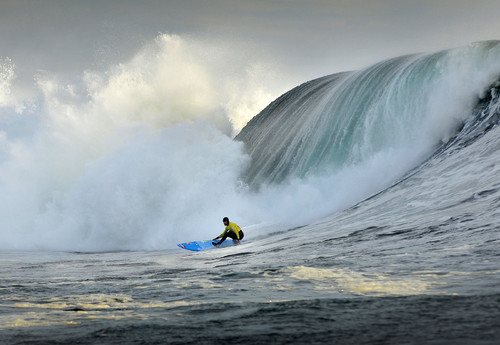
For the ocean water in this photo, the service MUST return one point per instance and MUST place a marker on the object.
(369, 200)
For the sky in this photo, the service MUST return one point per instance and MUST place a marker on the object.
(307, 39)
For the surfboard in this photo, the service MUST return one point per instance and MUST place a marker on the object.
(205, 245)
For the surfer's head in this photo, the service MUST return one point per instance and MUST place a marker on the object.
(225, 220)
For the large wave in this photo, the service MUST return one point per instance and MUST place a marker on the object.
(404, 107)
(142, 157)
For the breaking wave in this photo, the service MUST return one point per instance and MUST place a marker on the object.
(142, 157)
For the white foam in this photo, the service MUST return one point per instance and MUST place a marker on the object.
(137, 158)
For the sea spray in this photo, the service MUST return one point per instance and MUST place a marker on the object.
(139, 157)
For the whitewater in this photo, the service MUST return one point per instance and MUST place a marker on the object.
(369, 200)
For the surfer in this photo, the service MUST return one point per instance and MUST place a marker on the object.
(231, 230)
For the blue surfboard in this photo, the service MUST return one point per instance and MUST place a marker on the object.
(205, 245)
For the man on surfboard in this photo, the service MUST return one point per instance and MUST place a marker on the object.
(231, 230)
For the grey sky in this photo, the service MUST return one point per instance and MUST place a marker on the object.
(310, 38)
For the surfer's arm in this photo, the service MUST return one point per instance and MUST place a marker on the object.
(221, 235)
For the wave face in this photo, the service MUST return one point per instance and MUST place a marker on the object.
(400, 111)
